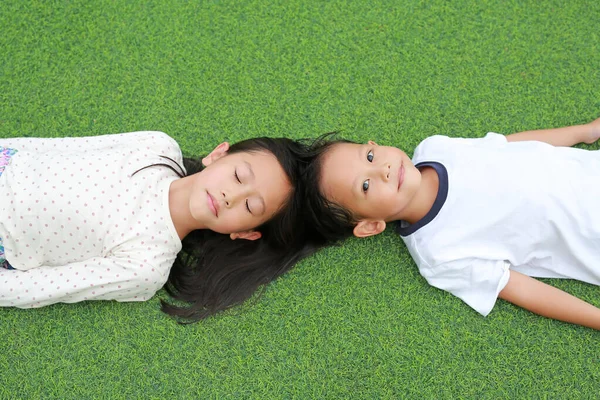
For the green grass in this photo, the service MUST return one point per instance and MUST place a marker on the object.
(356, 321)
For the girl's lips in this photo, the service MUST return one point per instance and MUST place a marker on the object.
(400, 175)
(212, 204)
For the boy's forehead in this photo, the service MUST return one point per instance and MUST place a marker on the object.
(339, 168)
(347, 152)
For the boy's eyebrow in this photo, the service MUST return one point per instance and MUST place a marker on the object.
(356, 183)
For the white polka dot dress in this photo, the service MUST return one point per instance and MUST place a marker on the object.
(76, 225)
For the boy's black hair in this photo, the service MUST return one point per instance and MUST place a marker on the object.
(213, 273)
(331, 222)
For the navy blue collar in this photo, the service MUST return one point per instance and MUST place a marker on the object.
(440, 199)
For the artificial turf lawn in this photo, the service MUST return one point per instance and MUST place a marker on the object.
(351, 322)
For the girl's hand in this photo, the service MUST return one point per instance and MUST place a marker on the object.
(593, 133)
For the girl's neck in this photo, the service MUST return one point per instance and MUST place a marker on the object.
(425, 196)
(179, 207)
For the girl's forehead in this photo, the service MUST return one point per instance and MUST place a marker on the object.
(265, 169)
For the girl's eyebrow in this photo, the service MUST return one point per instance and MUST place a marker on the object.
(264, 206)
(251, 172)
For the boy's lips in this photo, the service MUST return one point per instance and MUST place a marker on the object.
(212, 204)
(400, 175)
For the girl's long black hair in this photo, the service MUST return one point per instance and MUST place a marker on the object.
(213, 273)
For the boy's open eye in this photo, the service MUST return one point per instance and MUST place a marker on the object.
(365, 186)
(236, 176)
(370, 156)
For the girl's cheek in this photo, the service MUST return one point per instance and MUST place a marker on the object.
(233, 225)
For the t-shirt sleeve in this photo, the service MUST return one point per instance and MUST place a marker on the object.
(98, 278)
(475, 281)
(495, 139)
(158, 142)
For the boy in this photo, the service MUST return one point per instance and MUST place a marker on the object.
(480, 217)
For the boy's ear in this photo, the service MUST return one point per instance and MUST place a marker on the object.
(217, 153)
(372, 143)
(367, 228)
(247, 235)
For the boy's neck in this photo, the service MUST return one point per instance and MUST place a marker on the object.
(425, 196)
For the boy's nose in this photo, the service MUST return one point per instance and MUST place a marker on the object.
(385, 171)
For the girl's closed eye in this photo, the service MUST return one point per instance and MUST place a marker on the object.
(237, 177)
(370, 156)
(248, 207)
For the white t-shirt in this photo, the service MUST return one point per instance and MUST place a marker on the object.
(76, 225)
(525, 206)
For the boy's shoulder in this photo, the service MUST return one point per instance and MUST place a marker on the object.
(491, 138)
(441, 143)
(431, 145)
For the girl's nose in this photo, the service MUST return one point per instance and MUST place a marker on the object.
(225, 199)
(233, 196)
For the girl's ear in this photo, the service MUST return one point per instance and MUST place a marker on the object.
(372, 143)
(217, 153)
(248, 235)
(367, 228)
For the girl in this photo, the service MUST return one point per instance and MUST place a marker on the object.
(480, 217)
(106, 217)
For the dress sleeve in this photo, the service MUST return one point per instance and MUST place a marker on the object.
(155, 141)
(477, 282)
(99, 278)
